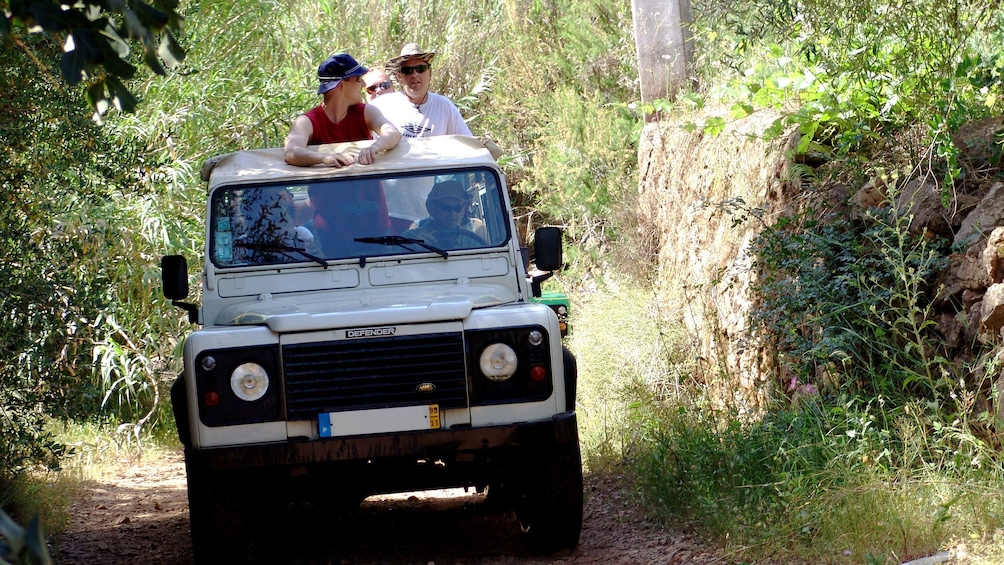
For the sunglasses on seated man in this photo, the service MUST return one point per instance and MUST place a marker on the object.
(447, 207)
(416, 69)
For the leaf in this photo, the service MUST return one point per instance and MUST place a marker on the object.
(119, 67)
(152, 17)
(740, 110)
(71, 66)
(152, 61)
(36, 543)
(170, 51)
(133, 27)
(714, 126)
(167, 5)
(115, 40)
(90, 45)
(49, 16)
(121, 96)
(694, 99)
(10, 530)
(95, 93)
(775, 130)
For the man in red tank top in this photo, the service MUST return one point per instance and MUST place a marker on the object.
(342, 116)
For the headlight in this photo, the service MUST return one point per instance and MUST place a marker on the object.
(249, 381)
(498, 362)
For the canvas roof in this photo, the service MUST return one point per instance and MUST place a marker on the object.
(411, 154)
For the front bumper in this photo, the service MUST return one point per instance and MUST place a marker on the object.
(476, 444)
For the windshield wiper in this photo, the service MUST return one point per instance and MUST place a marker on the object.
(402, 241)
(280, 248)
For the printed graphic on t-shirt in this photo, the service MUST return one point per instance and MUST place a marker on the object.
(415, 130)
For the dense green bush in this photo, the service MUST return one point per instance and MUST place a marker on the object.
(849, 304)
(66, 261)
(53, 168)
(848, 73)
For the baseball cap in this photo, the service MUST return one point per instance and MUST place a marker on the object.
(336, 68)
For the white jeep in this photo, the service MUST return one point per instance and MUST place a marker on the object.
(371, 329)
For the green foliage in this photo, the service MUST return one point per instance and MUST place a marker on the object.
(847, 73)
(814, 482)
(726, 474)
(848, 304)
(584, 174)
(628, 357)
(65, 257)
(97, 38)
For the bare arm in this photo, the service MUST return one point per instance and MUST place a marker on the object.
(296, 152)
(389, 135)
(480, 228)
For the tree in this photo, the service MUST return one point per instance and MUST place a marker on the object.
(665, 46)
(96, 36)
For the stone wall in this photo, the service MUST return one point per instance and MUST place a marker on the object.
(708, 196)
(702, 194)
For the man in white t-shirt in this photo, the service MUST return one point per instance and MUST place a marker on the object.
(414, 110)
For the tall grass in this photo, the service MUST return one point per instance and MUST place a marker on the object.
(814, 480)
(628, 358)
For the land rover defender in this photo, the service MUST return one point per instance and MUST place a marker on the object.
(352, 342)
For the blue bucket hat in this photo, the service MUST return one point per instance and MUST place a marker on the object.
(336, 68)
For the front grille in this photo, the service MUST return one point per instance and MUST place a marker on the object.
(361, 374)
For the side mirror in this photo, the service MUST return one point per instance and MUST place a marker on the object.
(547, 255)
(174, 274)
(547, 248)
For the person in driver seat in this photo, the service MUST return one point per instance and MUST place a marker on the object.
(449, 207)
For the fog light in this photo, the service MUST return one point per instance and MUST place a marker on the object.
(249, 381)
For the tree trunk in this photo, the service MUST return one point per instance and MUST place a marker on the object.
(665, 46)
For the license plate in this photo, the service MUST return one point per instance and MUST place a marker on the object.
(378, 421)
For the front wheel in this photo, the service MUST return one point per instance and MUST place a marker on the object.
(549, 509)
(224, 520)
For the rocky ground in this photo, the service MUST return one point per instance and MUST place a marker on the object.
(139, 515)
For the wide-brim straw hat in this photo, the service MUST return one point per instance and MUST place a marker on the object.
(410, 51)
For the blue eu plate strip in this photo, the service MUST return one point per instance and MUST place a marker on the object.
(324, 424)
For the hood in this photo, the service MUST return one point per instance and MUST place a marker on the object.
(366, 307)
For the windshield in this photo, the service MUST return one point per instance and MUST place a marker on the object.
(357, 218)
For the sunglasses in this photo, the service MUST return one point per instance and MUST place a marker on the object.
(456, 208)
(378, 86)
(416, 69)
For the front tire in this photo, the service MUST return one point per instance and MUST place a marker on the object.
(221, 521)
(549, 510)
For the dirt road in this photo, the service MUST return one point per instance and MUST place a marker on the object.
(139, 515)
